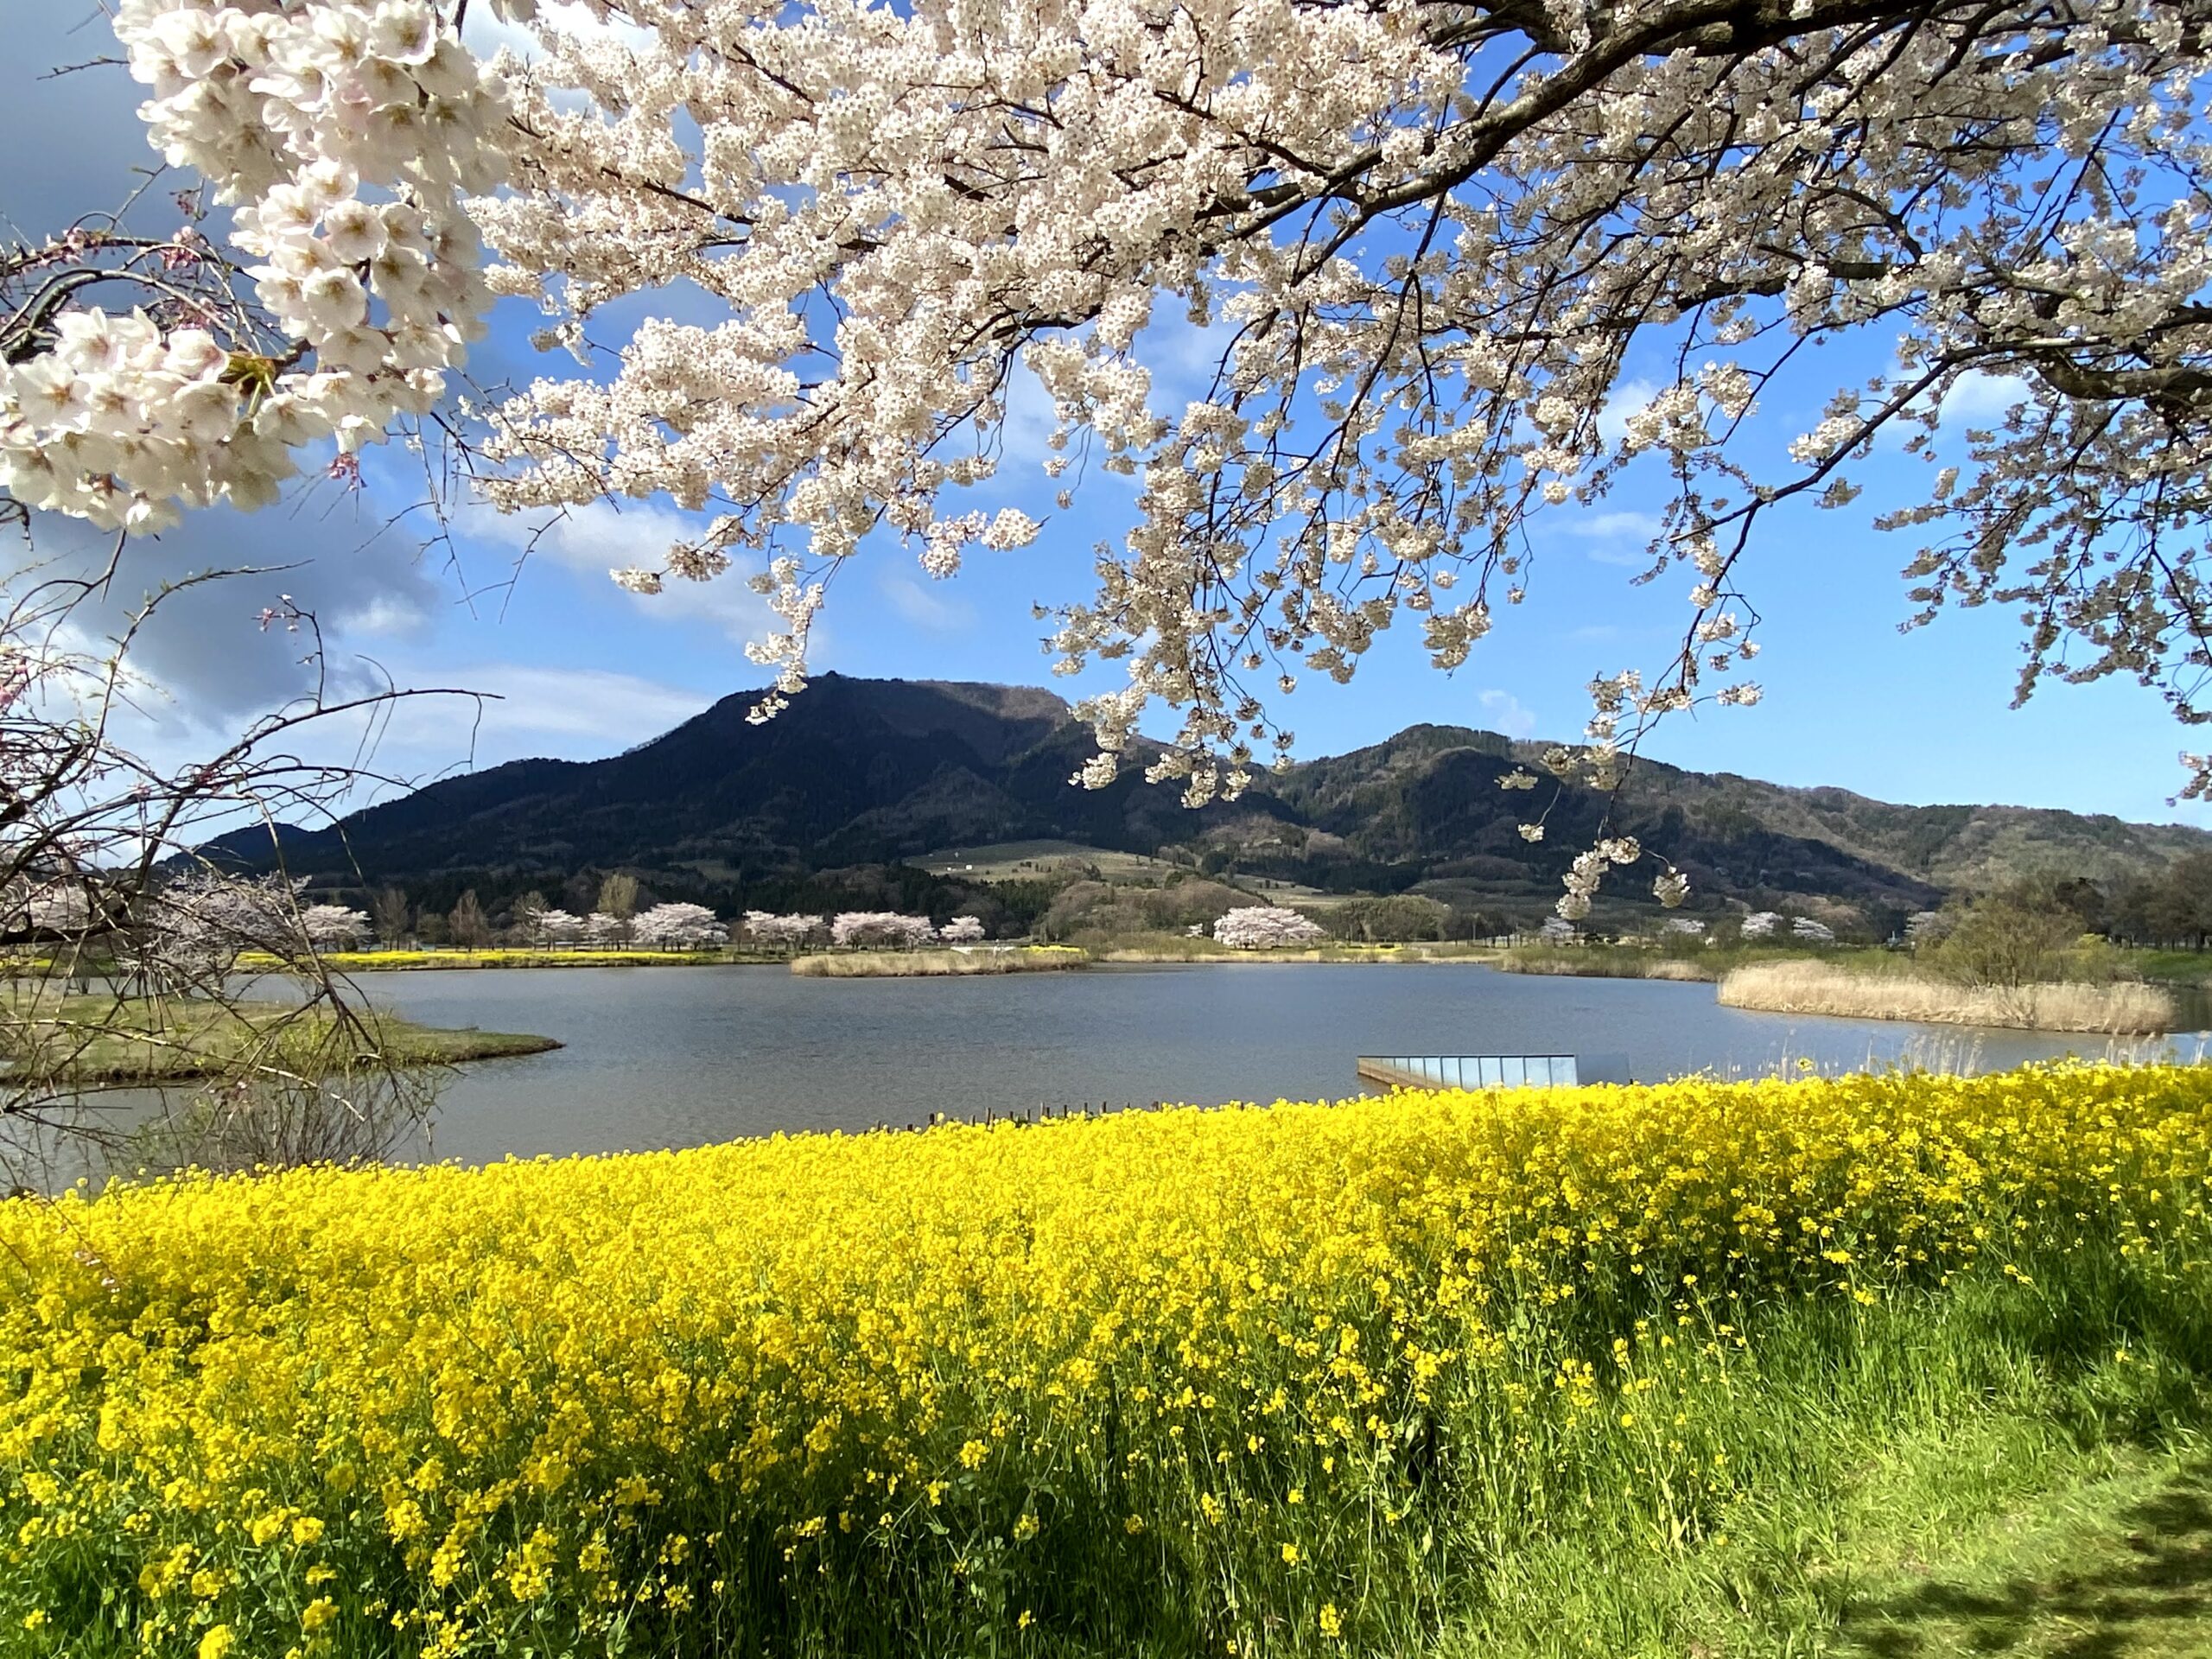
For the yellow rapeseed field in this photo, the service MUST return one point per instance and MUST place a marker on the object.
(1183, 1381)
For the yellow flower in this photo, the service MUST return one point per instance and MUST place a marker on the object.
(1290, 1554)
(317, 1613)
(217, 1641)
(1332, 1623)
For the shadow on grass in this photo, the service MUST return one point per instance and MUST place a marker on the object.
(2141, 1591)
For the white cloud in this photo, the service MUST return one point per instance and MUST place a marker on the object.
(1506, 713)
(486, 32)
(1628, 535)
(1980, 399)
(1622, 400)
(924, 608)
(384, 615)
(606, 535)
(606, 708)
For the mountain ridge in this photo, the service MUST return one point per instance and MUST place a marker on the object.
(861, 773)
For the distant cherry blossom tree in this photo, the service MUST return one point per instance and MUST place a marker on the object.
(1266, 927)
(197, 925)
(1557, 930)
(882, 928)
(559, 927)
(1927, 927)
(333, 927)
(962, 930)
(679, 926)
(1760, 924)
(602, 930)
(783, 931)
(1812, 932)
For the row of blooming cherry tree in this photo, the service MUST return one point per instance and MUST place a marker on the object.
(695, 927)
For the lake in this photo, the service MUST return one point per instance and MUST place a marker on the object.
(672, 1056)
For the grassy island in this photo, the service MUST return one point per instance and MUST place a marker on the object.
(1733, 1369)
(105, 1040)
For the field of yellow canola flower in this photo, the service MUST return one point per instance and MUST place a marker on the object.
(1224, 1382)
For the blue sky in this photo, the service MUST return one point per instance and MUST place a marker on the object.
(583, 669)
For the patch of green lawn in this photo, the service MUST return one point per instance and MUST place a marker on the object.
(2117, 1565)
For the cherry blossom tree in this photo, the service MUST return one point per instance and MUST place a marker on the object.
(881, 929)
(1450, 269)
(1812, 932)
(1760, 924)
(962, 930)
(333, 927)
(556, 927)
(679, 926)
(1266, 927)
(1927, 927)
(786, 932)
(604, 930)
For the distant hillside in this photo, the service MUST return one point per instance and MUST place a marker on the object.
(859, 774)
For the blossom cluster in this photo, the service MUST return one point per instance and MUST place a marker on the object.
(1266, 927)
(347, 138)
(883, 928)
(914, 1393)
(679, 926)
(789, 931)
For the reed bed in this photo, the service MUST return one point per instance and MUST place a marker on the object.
(2121, 1009)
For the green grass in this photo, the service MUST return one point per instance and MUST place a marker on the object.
(2178, 967)
(2000, 1471)
(104, 1039)
(2114, 1559)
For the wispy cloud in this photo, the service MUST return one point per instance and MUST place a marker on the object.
(1506, 713)
(925, 609)
(1627, 536)
(603, 535)
(604, 708)
(1980, 399)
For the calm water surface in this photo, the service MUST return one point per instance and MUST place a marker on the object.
(671, 1057)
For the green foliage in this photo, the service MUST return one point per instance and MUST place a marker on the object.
(1398, 918)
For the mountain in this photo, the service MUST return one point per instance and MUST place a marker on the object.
(858, 775)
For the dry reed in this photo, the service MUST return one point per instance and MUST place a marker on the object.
(2119, 1009)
